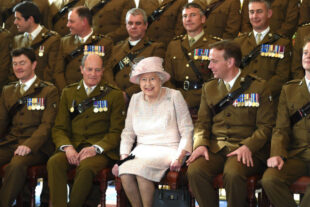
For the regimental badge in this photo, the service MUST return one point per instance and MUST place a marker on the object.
(201, 54)
(41, 50)
(126, 61)
(94, 49)
(276, 51)
(247, 100)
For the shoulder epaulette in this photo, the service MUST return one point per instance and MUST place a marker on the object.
(72, 85)
(305, 24)
(256, 77)
(178, 37)
(215, 38)
(12, 83)
(100, 36)
(112, 86)
(295, 81)
(46, 83)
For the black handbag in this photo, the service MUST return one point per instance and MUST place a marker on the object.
(171, 198)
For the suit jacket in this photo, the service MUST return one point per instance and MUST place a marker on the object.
(102, 128)
(145, 48)
(274, 70)
(284, 18)
(169, 24)
(297, 71)
(9, 23)
(5, 48)
(250, 126)
(225, 20)
(46, 53)
(110, 19)
(66, 73)
(177, 65)
(288, 140)
(61, 25)
(29, 127)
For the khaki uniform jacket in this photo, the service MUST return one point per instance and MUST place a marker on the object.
(274, 70)
(225, 20)
(43, 6)
(250, 126)
(177, 65)
(46, 53)
(288, 140)
(29, 127)
(61, 25)
(297, 71)
(145, 48)
(66, 73)
(5, 48)
(284, 17)
(169, 24)
(304, 12)
(102, 128)
(110, 19)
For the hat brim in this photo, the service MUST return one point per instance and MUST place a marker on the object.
(165, 75)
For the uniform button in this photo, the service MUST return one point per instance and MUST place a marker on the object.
(21, 113)
(100, 15)
(228, 114)
(86, 116)
(227, 126)
(255, 71)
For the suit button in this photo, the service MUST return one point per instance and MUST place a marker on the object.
(227, 126)
(228, 114)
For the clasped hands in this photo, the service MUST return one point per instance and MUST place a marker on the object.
(74, 158)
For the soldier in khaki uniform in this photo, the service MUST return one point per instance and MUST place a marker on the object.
(183, 58)
(230, 137)
(86, 133)
(58, 14)
(28, 110)
(44, 42)
(290, 152)
(223, 18)
(265, 53)
(7, 15)
(304, 12)
(5, 47)
(67, 67)
(297, 72)
(109, 17)
(137, 45)
(284, 17)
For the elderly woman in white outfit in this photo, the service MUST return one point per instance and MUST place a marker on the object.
(158, 121)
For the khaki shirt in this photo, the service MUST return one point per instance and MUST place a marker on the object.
(101, 128)
(239, 125)
(29, 127)
(288, 140)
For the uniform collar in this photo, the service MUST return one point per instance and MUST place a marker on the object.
(35, 32)
(29, 83)
(264, 33)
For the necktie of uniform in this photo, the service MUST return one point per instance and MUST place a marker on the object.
(29, 37)
(227, 86)
(160, 1)
(191, 41)
(22, 88)
(258, 38)
(88, 91)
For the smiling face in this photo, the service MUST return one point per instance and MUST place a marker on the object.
(193, 20)
(218, 64)
(75, 23)
(23, 68)
(150, 84)
(92, 70)
(22, 24)
(259, 16)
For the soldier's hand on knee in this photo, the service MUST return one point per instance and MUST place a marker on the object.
(275, 161)
(72, 155)
(22, 150)
(87, 152)
(244, 155)
(198, 152)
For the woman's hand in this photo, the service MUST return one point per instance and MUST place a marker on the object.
(176, 165)
(115, 170)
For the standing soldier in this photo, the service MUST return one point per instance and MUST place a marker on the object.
(283, 21)
(265, 53)
(109, 17)
(187, 56)
(28, 110)
(137, 45)
(44, 42)
(5, 47)
(58, 15)
(223, 17)
(7, 13)
(67, 67)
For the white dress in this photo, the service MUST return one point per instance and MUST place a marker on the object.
(161, 129)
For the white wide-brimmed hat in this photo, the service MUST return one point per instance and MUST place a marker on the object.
(148, 65)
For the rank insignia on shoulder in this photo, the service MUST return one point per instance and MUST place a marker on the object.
(201, 54)
(276, 51)
(100, 106)
(247, 100)
(35, 104)
(94, 49)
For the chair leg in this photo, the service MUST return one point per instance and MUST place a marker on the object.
(251, 193)
(103, 189)
(32, 186)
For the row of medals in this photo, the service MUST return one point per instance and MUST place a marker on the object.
(35, 104)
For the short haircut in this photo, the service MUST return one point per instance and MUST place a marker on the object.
(84, 60)
(194, 5)
(266, 2)
(306, 40)
(84, 12)
(135, 12)
(27, 51)
(231, 50)
(28, 9)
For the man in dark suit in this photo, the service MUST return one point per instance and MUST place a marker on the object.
(86, 136)
(28, 109)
